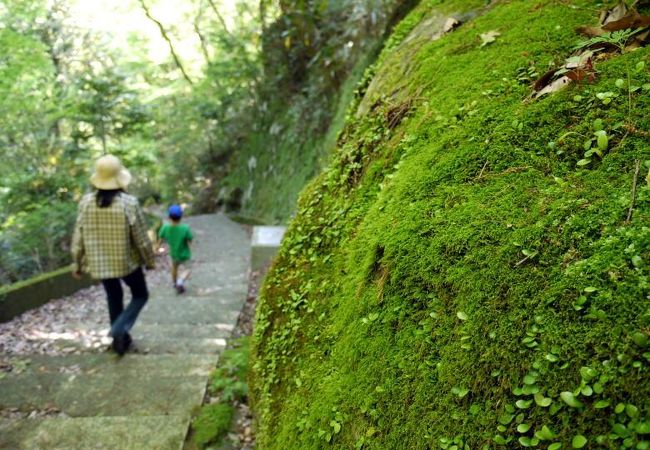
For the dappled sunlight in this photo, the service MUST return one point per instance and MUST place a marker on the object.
(124, 23)
(73, 324)
(69, 325)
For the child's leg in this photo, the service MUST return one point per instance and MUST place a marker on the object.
(185, 273)
(174, 272)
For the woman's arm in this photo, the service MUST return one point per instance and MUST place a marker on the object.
(141, 239)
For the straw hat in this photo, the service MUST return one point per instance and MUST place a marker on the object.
(110, 174)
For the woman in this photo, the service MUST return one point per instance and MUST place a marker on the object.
(110, 242)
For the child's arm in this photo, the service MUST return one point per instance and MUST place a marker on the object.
(161, 238)
(189, 236)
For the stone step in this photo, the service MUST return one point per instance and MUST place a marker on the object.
(194, 312)
(179, 330)
(143, 400)
(134, 390)
(79, 338)
(190, 298)
(164, 432)
(219, 295)
(180, 346)
(89, 364)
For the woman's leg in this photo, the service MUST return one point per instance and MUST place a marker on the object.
(115, 298)
(139, 297)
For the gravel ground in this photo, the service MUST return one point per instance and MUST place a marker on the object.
(80, 319)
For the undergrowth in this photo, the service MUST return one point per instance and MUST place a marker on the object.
(226, 386)
(459, 277)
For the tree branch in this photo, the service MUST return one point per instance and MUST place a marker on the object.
(197, 30)
(221, 19)
(164, 35)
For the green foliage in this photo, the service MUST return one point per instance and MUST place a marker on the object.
(62, 104)
(228, 384)
(452, 280)
(67, 95)
(212, 423)
(313, 54)
(228, 381)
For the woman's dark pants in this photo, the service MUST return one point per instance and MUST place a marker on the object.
(123, 319)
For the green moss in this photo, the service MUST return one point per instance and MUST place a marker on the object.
(34, 280)
(212, 423)
(228, 383)
(453, 259)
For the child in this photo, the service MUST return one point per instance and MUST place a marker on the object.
(178, 236)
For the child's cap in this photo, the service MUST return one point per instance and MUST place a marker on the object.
(175, 212)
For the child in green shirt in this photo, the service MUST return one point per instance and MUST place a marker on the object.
(178, 236)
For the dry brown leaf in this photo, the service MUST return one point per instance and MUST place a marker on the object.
(581, 75)
(617, 13)
(544, 80)
(639, 40)
(576, 68)
(555, 86)
(590, 31)
(631, 20)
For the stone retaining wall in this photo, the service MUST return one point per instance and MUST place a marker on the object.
(28, 294)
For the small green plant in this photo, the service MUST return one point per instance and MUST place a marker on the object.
(616, 38)
(597, 144)
(212, 423)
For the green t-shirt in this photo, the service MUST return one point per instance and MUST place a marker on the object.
(178, 237)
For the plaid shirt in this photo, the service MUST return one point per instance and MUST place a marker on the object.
(110, 242)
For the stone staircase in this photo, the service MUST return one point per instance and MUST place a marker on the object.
(143, 400)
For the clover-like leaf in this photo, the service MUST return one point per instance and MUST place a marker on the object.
(631, 411)
(505, 419)
(530, 379)
(545, 433)
(523, 427)
(570, 399)
(542, 401)
(523, 404)
(579, 441)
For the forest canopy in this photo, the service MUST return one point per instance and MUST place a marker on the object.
(154, 82)
(212, 103)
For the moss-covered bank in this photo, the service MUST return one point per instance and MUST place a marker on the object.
(455, 279)
(314, 55)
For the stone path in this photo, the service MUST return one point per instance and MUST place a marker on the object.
(144, 400)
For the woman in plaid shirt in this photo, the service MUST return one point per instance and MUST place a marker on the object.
(110, 242)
